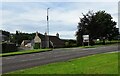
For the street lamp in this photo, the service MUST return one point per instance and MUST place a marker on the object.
(48, 27)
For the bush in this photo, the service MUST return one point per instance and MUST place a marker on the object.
(107, 42)
(8, 47)
(92, 43)
(37, 46)
(68, 44)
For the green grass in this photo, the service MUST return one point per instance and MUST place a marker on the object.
(106, 63)
(101, 45)
(24, 52)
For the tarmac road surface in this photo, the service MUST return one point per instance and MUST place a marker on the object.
(12, 63)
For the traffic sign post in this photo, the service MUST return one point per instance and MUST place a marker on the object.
(86, 39)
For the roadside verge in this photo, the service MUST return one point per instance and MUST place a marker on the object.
(24, 52)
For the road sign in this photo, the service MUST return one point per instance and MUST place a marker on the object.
(85, 38)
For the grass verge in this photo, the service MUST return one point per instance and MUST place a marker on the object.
(94, 46)
(24, 52)
(106, 63)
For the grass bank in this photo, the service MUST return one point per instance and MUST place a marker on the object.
(24, 52)
(106, 63)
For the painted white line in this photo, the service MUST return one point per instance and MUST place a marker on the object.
(33, 59)
(33, 55)
(10, 58)
(88, 48)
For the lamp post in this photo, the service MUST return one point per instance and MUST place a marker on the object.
(48, 27)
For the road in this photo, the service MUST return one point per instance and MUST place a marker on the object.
(18, 62)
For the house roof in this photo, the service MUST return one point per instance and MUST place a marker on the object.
(24, 42)
(56, 40)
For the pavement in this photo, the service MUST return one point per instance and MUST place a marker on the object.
(18, 62)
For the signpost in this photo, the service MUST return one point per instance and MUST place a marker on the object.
(86, 39)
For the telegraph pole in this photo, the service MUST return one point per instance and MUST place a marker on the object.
(48, 27)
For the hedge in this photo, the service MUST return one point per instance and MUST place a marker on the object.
(8, 47)
(37, 46)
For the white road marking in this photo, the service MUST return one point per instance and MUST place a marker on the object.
(88, 48)
(33, 59)
(10, 58)
(33, 55)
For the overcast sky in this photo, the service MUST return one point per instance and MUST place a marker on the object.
(30, 16)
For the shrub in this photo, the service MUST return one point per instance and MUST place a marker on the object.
(37, 46)
(8, 47)
(68, 44)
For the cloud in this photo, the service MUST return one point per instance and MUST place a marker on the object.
(59, 0)
(65, 34)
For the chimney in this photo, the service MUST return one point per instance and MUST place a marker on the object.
(36, 33)
(45, 34)
(57, 35)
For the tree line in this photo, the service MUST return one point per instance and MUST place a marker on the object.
(18, 37)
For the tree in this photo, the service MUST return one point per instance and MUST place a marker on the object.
(96, 25)
(6, 34)
(83, 27)
(19, 37)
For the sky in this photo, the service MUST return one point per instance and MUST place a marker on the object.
(30, 16)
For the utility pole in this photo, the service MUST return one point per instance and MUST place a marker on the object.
(48, 27)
